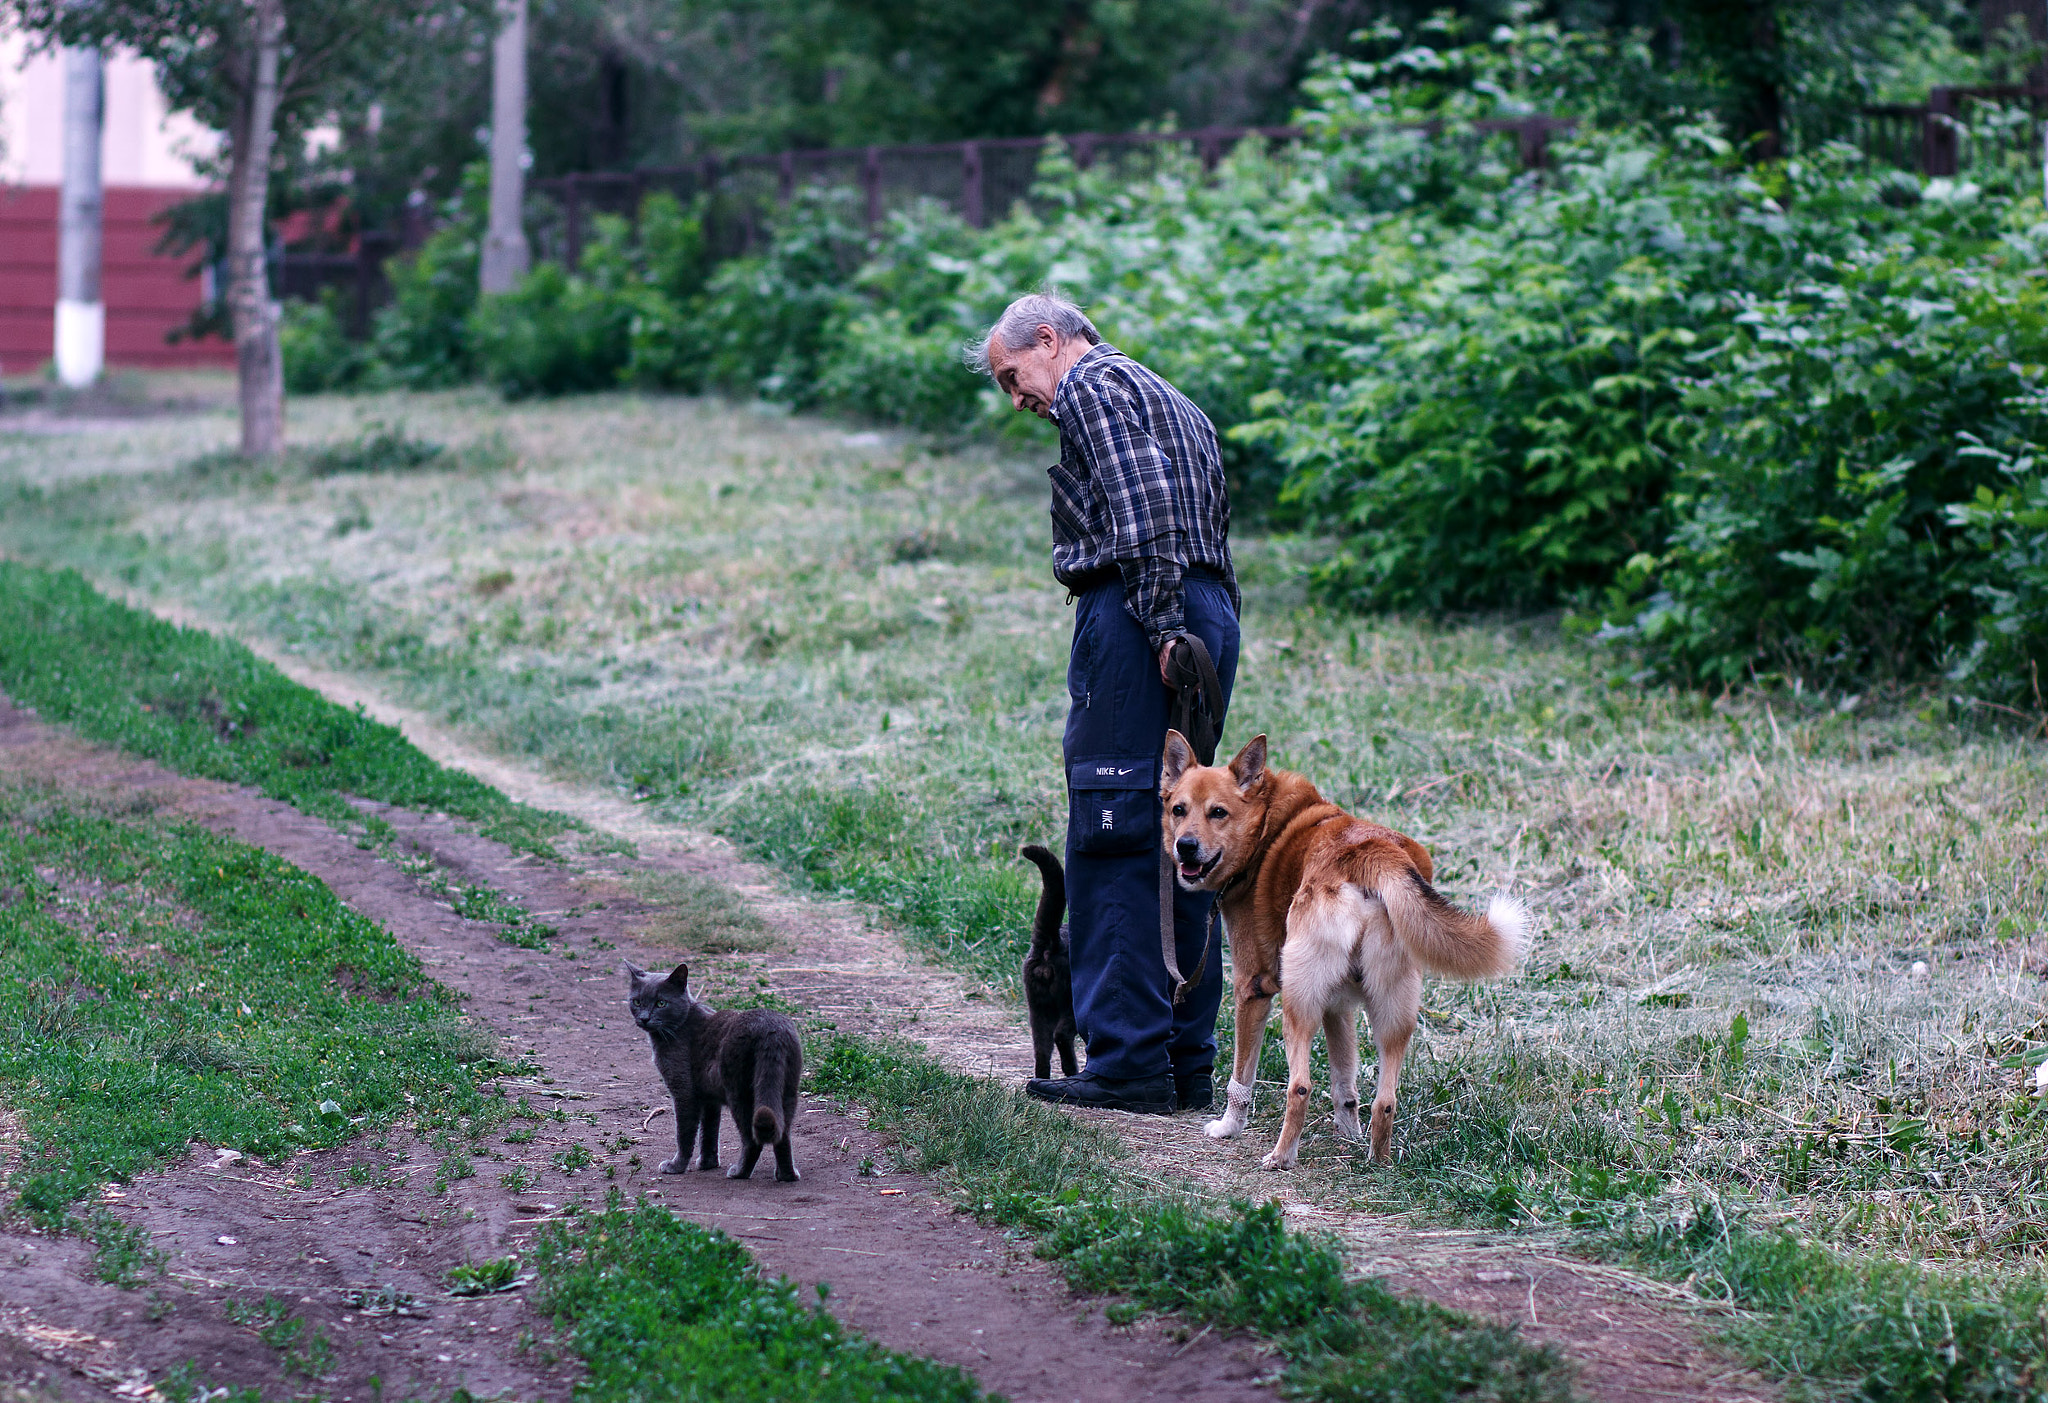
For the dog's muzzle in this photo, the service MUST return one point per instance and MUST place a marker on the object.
(1193, 869)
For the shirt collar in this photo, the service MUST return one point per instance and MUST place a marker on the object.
(1059, 391)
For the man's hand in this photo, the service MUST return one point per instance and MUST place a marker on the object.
(1165, 659)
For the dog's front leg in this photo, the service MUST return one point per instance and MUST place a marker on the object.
(1299, 1032)
(1253, 1009)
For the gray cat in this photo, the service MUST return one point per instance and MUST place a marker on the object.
(748, 1059)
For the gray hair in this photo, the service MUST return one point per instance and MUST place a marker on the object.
(1018, 326)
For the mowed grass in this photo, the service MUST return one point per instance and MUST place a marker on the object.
(161, 985)
(845, 651)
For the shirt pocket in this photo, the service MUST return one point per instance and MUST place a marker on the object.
(1113, 805)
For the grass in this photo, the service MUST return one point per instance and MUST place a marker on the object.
(657, 1307)
(1021, 1164)
(847, 655)
(695, 913)
(160, 985)
(203, 705)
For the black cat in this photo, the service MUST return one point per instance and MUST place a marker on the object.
(748, 1059)
(1047, 974)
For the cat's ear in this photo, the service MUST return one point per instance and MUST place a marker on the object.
(635, 976)
(680, 977)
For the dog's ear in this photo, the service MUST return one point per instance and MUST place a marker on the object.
(1177, 760)
(1249, 765)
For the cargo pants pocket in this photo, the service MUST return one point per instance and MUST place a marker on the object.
(1112, 805)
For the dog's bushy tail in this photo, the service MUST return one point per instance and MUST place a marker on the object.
(1052, 898)
(1448, 940)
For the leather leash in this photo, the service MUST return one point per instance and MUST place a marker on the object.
(1196, 712)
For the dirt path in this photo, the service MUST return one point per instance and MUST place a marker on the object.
(1632, 1338)
(362, 1267)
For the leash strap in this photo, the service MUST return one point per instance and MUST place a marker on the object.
(1195, 712)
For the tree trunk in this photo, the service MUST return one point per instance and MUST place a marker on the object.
(259, 362)
(505, 253)
(81, 315)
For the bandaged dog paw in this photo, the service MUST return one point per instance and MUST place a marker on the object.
(1276, 1160)
(1223, 1128)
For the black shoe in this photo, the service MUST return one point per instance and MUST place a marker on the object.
(1195, 1093)
(1152, 1096)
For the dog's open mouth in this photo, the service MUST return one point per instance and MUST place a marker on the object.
(1194, 872)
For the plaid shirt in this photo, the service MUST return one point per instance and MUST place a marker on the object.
(1138, 487)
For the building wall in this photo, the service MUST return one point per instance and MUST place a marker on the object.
(147, 163)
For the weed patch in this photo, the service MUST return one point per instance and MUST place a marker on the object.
(656, 1307)
(697, 914)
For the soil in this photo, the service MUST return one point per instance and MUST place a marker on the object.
(902, 1266)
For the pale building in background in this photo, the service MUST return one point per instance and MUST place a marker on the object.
(147, 164)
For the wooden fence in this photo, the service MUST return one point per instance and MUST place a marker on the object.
(982, 180)
(1929, 137)
(978, 180)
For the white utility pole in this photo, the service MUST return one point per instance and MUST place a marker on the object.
(81, 349)
(505, 254)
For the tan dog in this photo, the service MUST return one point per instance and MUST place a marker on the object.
(1339, 909)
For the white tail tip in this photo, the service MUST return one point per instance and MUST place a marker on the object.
(1511, 923)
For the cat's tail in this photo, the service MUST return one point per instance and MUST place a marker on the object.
(1052, 899)
(773, 1076)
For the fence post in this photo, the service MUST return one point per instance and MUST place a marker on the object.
(970, 183)
(1084, 151)
(1212, 149)
(786, 166)
(871, 182)
(1535, 143)
(1938, 153)
(572, 221)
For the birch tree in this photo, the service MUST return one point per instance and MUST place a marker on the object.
(259, 72)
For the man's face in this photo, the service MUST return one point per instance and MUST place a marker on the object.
(1030, 374)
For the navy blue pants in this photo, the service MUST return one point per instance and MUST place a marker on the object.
(1123, 1000)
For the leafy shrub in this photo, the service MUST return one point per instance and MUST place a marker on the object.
(1842, 420)
(767, 318)
(318, 355)
(421, 339)
(2006, 524)
(558, 332)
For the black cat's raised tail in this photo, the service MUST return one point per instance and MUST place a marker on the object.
(1052, 898)
(1047, 972)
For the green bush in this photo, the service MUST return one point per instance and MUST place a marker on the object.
(421, 338)
(2006, 525)
(1840, 517)
(318, 355)
(560, 332)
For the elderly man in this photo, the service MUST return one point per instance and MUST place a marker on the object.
(1140, 520)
